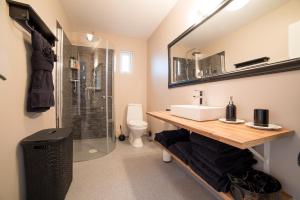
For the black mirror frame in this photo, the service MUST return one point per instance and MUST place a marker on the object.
(277, 67)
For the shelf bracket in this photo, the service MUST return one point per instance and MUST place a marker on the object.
(258, 155)
(265, 158)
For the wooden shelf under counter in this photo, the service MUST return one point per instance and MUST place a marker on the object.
(222, 195)
(237, 135)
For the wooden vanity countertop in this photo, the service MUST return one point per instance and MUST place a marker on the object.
(237, 135)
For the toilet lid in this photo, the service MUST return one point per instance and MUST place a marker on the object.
(137, 123)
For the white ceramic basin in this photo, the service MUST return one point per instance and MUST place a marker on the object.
(197, 112)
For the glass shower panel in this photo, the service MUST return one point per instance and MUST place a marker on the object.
(90, 125)
(87, 99)
(111, 139)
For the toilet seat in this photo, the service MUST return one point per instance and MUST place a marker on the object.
(137, 124)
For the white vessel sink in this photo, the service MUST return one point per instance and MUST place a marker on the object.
(197, 112)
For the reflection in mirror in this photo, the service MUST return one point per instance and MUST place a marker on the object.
(238, 37)
(187, 69)
(97, 76)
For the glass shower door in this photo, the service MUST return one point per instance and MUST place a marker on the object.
(111, 138)
(86, 99)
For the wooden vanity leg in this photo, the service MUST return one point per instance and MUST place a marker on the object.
(166, 156)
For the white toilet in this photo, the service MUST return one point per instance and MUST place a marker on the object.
(136, 124)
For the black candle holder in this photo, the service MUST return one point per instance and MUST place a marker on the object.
(261, 117)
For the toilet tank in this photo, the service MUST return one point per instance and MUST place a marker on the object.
(134, 112)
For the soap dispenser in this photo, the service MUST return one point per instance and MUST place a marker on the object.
(231, 111)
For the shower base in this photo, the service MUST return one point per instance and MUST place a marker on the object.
(89, 149)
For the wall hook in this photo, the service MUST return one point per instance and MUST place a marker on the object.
(2, 77)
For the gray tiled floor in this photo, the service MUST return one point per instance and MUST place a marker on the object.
(133, 174)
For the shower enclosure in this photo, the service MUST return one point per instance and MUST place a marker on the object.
(85, 97)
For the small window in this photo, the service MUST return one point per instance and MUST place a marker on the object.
(126, 61)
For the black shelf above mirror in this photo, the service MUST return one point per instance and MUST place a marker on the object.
(29, 19)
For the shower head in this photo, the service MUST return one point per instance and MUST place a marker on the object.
(192, 52)
(196, 52)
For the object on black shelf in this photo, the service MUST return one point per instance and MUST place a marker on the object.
(261, 117)
(231, 111)
(121, 136)
(252, 62)
(254, 184)
(48, 160)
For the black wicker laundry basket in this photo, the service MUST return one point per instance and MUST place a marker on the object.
(48, 160)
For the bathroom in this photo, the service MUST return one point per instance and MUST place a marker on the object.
(130, 63)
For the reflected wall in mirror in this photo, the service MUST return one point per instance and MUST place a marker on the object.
(259, 34)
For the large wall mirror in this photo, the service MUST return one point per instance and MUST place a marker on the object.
(239, 38)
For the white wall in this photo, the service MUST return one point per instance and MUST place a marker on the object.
(128, 87)
(15, 122)
(277, 92)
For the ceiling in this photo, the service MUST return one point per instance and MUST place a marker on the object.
(132, 18)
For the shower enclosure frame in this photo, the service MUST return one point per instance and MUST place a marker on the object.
(110, 145)
(58, 74)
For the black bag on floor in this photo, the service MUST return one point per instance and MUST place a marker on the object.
(254, 185)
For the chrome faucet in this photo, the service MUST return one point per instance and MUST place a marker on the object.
(200, 96)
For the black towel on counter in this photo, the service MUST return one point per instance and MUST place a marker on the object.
(213, 145)
(222, 160)
(167, 138)
(219, 183)
(183, 150)
(40, 94)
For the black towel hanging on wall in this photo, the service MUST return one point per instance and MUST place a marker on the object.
(40, 94)
(29, 19)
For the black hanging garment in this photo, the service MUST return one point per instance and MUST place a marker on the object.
(40, 94)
